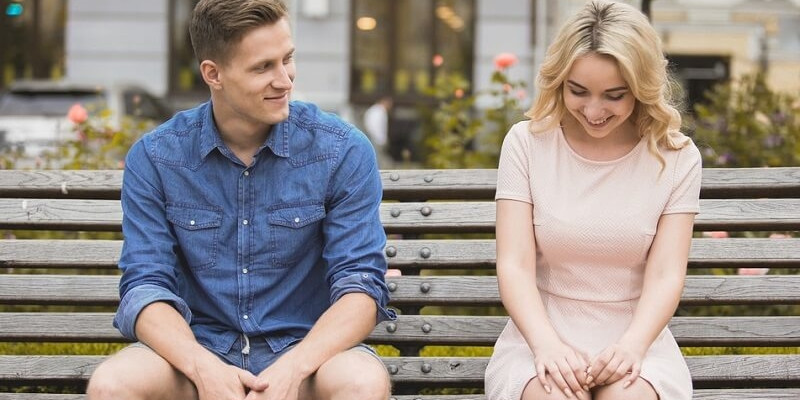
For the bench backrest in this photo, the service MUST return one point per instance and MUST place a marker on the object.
(440, 225)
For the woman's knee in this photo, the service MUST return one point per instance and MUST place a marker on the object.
(639, 390)
(534, 390)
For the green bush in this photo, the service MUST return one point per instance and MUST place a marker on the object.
(747, 124)
(457, 133)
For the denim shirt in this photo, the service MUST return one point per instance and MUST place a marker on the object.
(260, 250)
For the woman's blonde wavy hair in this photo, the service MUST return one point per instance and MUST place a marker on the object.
(620, 31)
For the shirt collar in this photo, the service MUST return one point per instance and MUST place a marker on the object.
(278, 140)
(209, 135)
(210, 138)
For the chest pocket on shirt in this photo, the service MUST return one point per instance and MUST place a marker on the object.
(197, 229)
(292, 230)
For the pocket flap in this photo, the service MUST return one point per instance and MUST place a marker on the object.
(297, 217)
(192, 218)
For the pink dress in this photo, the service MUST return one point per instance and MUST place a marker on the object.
(594, 223)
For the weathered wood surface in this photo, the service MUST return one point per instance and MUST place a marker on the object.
(419, 330)
(410, 290)
(411, 217)
(699, 394)
(741, 371)
(733, 199)
(403, 184)
(414, 254)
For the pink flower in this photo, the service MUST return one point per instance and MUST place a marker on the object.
(438, 60)
(753, 271)
(522, 94)
(716, 234)
(504, 60)
(77, 114)
(459, 93)
(779, 236)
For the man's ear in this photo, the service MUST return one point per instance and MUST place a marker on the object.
(210, 72)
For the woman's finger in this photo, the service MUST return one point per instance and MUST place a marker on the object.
(601, 377)
(557, 376)
(633, 376)
(540, 374)
(578, 368)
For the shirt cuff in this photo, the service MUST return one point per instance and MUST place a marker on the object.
(369, 284)
(140, 297)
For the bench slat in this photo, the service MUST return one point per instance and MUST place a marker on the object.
(410, 290)
(78, 184)
(423, 254)
(404, 184)
(106, 215)
(699, 394)
(421, 330)
(707, 371)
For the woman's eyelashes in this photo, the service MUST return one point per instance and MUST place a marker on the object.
(612, 97)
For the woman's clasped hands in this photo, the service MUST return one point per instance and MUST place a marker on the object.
(570, 371)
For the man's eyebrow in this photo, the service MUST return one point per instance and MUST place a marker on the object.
(615, 89)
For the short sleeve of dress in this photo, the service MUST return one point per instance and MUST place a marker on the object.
(685, 197)
(513, 171)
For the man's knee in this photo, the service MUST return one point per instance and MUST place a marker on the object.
(105, 384)
(136, 373)
(353, 375)
(359, 387)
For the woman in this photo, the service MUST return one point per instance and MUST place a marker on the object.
(596, 198)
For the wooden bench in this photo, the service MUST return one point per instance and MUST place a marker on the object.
(442, 277)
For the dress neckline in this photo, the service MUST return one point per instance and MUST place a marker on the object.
(581, 158)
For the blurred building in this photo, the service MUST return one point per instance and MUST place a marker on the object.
(352, 52)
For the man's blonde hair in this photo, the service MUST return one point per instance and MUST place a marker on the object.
(217, 26)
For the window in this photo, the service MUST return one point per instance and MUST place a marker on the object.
(395, 42)
(184, 73)
(394, 45)
(697, 75)
(31, 40)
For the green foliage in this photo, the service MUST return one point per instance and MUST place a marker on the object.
(57, 349)
(457, 134)
(98, 143)
(746, 124)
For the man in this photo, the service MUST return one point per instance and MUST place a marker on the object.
(376, 124)
(252, 264)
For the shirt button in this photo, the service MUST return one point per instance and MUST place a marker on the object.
(296, 219)
(191, 222)
(244, 222)
(244, 271)
(246, 173)
(245, 316)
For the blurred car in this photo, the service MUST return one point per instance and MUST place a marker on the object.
(33, 113)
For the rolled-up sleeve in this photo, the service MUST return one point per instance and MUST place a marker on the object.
(354, 236)
(149, 262)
